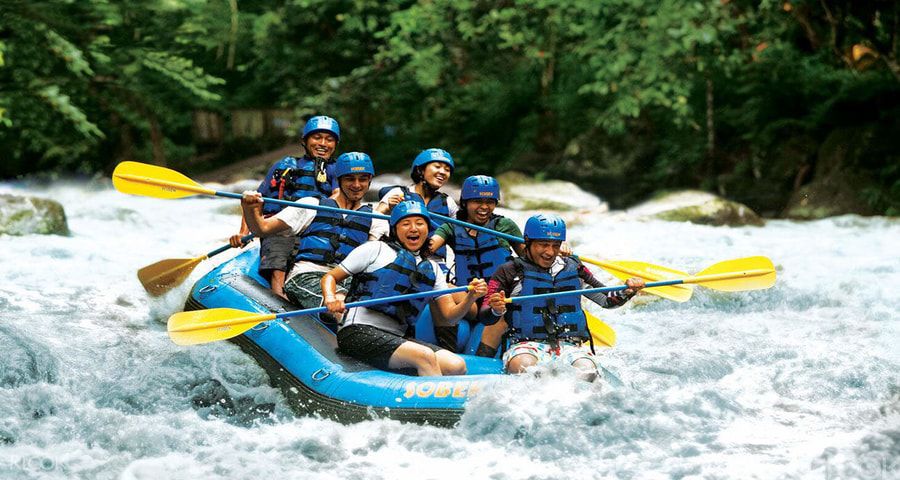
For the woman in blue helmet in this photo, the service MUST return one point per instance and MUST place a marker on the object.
(542, 329)
(293, 178)
(323, 238)
(431, 169)
(381, 334)
(476, 254)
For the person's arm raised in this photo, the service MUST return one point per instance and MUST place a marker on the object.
(453, 311)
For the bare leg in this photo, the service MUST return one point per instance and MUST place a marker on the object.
(587, 370)
(277, 282)
(520, 362)
(494, 333)
(420, 357)
(450, 363)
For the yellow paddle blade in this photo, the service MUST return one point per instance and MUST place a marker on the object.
(750, 273)
(601, 333)
(625, 269)
(165, 275)
(137, 178)
(202, 326)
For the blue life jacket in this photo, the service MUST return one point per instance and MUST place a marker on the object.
(330, 236)
(479, 256)
(547, 318)
(399, 277)
(293, 178)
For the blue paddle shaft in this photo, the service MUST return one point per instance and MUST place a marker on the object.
(376, 215)
(594, 290)
(478, 228)
(374, 301)
(244, 240)
(324, 208)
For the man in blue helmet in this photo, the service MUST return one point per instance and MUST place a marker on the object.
(381, 334)
(476, 254)
(539, 330)
(323, 238)
(431, 169)
(293, 178)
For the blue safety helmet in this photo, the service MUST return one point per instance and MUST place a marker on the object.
(408, 208)
(353, 162)
(480, 186)
(545, 227)
(431, 155)
(322, 123)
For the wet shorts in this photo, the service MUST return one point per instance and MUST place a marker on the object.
(276, 253)
(373, 345)
(305, 289)
(568, 352)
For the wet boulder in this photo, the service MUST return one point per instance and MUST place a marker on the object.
(31, 215)
(521, 192)
(842, 176)
(697, 207)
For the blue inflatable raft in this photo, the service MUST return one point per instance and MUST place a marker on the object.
(301, 357)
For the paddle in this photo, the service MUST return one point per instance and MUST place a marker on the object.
(202, 326)
(154, 181)
(757, 273)
(601, 333)
(623, 270)
(164, 275)
(137, 178)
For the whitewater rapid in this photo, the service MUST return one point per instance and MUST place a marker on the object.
(799, 381)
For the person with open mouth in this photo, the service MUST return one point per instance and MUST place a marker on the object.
(383, 335)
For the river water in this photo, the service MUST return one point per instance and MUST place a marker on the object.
(799, 381)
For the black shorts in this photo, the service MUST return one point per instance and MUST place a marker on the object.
(373, 345)
(276, 253)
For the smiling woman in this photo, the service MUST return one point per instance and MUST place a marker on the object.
(431, 169)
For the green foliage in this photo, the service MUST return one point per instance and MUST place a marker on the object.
(79, 77)
(619, 95)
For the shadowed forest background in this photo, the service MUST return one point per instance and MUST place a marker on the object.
(791, 107)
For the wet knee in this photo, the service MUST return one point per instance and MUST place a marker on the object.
(587, 370)
(453, 365)
(424, 357)
(520, 362)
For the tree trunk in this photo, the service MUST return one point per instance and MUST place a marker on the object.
(547, 136)
(157, 139)
(711, 132)
(232, 36)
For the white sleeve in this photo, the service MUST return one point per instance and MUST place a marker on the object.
(378, 229)
(452, 206)
(361, 257)
(297, 218)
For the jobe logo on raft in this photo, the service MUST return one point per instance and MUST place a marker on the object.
(441, 389)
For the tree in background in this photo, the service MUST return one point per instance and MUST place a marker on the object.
(86, 83)
(764, 101)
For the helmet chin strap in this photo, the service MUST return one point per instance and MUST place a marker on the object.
(429, 190)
